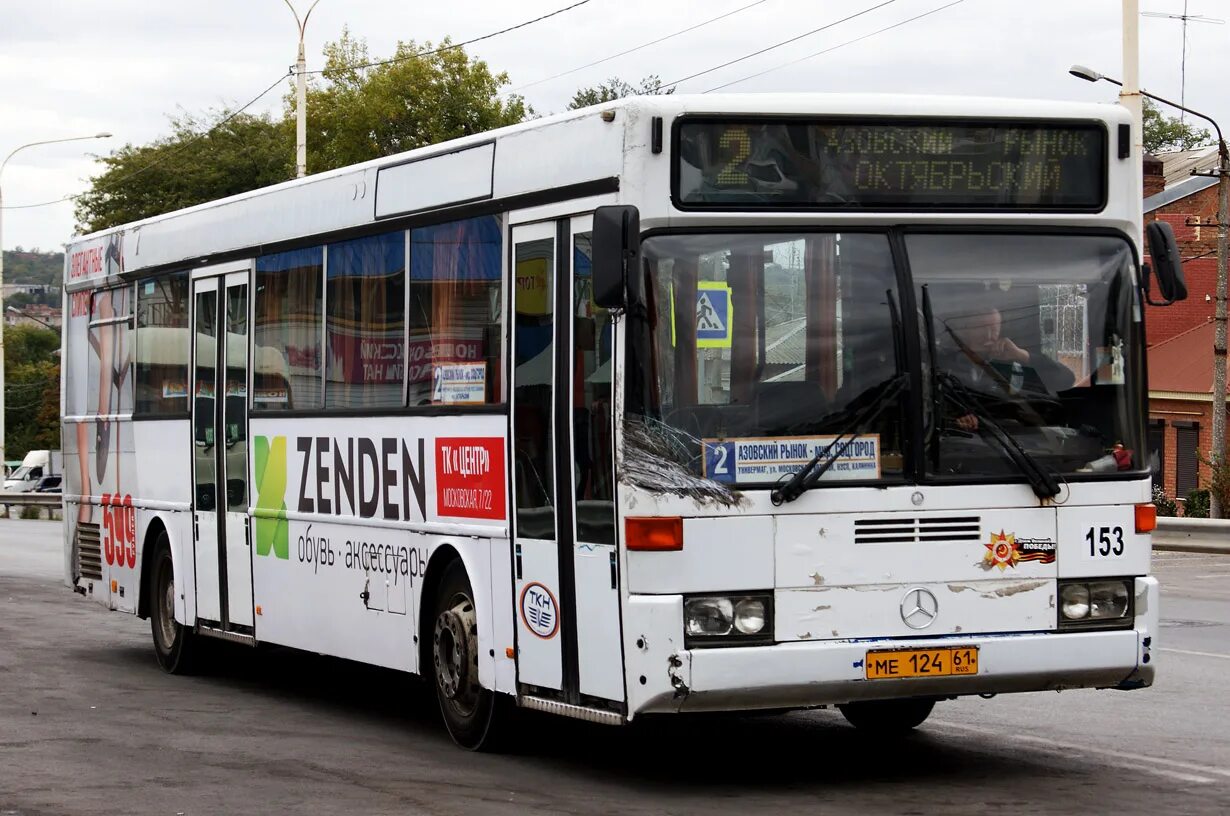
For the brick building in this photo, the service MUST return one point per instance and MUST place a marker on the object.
(1181, 335)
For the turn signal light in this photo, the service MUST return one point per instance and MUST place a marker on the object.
(1146, 518)
(654, 534)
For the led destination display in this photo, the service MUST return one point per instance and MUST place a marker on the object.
(890, 165)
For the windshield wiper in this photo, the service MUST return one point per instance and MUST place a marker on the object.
(807, 476)
(1043, 482)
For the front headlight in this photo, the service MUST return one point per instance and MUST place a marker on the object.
(1103, 604)
(728, 620)
(709, 617)
(1075, 601)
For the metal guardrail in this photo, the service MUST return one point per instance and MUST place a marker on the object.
(1192, 535)
(42, 499)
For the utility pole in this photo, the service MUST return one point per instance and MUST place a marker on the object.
(1217, 452)
(301, 94)
(4, 164)
(1129, 91)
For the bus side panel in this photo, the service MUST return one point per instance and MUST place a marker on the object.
(347, 515)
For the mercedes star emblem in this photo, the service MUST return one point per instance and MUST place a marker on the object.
(919, 608)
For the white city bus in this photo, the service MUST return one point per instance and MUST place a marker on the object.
(673, 404)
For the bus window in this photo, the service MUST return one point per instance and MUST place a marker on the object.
(455, 339)
(289, 308)
(163, 347)
(366, 301)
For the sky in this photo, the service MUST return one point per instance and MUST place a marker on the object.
(77, 67)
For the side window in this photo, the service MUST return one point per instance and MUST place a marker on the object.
(288, 360)
(455, 340)
(163, 346)
(109, 380)
(366, 301)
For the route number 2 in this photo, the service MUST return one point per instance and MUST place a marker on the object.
(1105, 541)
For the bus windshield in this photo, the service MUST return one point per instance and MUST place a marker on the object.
(758, 351)
(1038, 333)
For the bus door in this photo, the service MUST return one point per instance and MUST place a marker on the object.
(222, 552)
(565, 564)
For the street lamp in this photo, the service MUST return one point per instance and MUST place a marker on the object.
(1223, 220)
(3, 164)
(301, 94)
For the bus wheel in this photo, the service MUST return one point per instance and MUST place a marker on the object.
(174, 644)
(468, 708)
(887, 716)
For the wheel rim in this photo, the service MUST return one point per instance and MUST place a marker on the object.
(166, 607)
(455, 654)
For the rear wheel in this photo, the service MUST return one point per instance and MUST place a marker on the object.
(470, 711)
(174, 644)
(887, 716)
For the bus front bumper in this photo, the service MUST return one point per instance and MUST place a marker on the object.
(803, 674)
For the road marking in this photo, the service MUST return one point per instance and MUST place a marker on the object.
(1183, 771)
(1213, 575)
(1197, 654)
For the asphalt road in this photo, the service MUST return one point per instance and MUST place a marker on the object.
(90, 725)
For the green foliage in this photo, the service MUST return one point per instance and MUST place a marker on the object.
(1219, 480)
(1162, 133)
(191, 166)
(32, 266)
(1197, 505)
(616, 88)
(31, 390)
(355, 114)
(416, 98)
(31, 511)
(1165, 505)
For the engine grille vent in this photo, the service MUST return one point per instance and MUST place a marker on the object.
(89, 551)
(917, 530)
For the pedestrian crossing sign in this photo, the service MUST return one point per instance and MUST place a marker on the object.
(713, 314)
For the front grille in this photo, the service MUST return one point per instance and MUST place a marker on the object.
(917, 530)
(89, 551)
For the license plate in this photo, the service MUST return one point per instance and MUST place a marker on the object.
(921, 662)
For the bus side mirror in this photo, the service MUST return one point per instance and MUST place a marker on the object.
(1166, 265)
(617, 240)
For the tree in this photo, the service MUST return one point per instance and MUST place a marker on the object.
(423, 95)
(31, 390)
(616, 88)
(356, 111)
(1163, 133)
(193, 165)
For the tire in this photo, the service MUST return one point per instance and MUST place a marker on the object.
(887, 716)
(473, 715)
(175, 645)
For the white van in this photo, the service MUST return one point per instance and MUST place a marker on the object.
(36, 465)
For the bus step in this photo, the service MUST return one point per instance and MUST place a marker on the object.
(595, 715)
(220, 634)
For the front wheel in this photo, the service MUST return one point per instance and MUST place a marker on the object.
(470, 711)
(174, 644)
(887, 716)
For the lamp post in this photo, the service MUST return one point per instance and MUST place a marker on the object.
(301, 94)
(1219, 316)
(3, 164)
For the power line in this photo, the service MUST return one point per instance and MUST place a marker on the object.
(181, 148)
(454, 46)
(835, 47)
(780, 44)
(636, 48)
(276, 82)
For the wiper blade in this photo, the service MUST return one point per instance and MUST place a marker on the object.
(807, 476)
(1043, 482)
